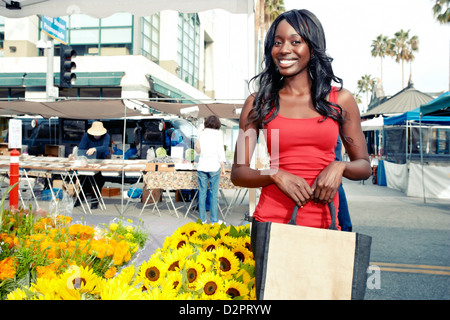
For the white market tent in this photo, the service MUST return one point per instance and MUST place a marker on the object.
(105, 8)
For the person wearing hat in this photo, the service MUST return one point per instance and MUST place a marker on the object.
(94, 144)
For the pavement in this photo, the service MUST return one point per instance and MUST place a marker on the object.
(410, 235)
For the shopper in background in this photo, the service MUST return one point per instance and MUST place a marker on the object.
(210, 167)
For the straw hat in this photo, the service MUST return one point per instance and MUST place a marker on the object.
(96, 129)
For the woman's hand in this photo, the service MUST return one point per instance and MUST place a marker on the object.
(293, 186)
(327, 182)
(91, 151)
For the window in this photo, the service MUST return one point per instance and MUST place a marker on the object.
(108, 36)
(89, 92)
(150, 37)
(188, 48)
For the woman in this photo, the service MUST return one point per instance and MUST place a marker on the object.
(210, 167)
(94, 144)
(302, 115)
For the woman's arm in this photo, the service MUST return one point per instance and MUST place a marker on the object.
(358, 168)
(241, 173)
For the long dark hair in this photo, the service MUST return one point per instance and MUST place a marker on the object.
(270, 81)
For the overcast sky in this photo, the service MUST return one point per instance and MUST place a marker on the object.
(351, 25)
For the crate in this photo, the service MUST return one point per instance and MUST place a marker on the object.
(55, 150)
(110, 192)
(159, 166)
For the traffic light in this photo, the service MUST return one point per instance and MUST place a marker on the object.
(66, 76)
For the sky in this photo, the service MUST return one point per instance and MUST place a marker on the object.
(351, 25)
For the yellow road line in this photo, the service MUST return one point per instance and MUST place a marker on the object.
(412, 268)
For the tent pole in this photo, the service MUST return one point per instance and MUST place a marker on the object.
(421, 156)
(123, 154)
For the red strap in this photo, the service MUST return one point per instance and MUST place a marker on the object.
(333, 95)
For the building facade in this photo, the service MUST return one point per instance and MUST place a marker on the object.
(169, 55)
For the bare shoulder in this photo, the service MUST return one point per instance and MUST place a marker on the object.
(345, 97)
(347, 101)
(246, 111)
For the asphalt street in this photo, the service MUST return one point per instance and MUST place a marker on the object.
(410, 236)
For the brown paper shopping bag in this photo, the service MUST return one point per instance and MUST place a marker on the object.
(295, 262)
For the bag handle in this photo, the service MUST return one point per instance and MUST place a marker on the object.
(332, 226)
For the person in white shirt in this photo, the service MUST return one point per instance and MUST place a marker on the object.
(210, 167)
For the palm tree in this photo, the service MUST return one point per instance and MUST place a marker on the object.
(402, 48)
(441, 11)
(380, 49)
(357, 97)
(365, 85)
(266, 12)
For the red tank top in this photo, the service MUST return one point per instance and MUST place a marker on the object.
(306, 147)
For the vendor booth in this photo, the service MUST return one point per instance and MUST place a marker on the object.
(417, 150)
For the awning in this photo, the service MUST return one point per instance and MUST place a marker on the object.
(38, 79)
(437, 107)
(105, 8)
(373, 124)
(221, 110)
(70, 109)
(112, 108)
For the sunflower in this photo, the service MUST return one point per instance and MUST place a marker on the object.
(226, 263)
(174, 279)
(236, 289)
(127, 274)
(178, 241)
(243, 276)
(193, 270)
(117, 289)
(205, 259)
(165, 293)
(242, 253)
(17, 294)
(81, 279)
(210, 244)
(210, 284)
(218, 296)
(190, 229)
(228, 241)
(152, 270)
(175, 258)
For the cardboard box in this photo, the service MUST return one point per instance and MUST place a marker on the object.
(151, 166)
(4, 150)
(55, 150)
(157, 195)
(110, 192)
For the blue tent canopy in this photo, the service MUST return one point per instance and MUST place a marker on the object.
(437, 107)
(414, 115)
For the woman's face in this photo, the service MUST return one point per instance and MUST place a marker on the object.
(290, 52)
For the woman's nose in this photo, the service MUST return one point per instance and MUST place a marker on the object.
(285, 48)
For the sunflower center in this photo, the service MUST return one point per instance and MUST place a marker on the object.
(210, 288)
(233, 292)
(77, 282)
(173, 266)
(225, 264)
(180, 244)
(152, 273)
(210, 247)
(240, 256)
(191, 275)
